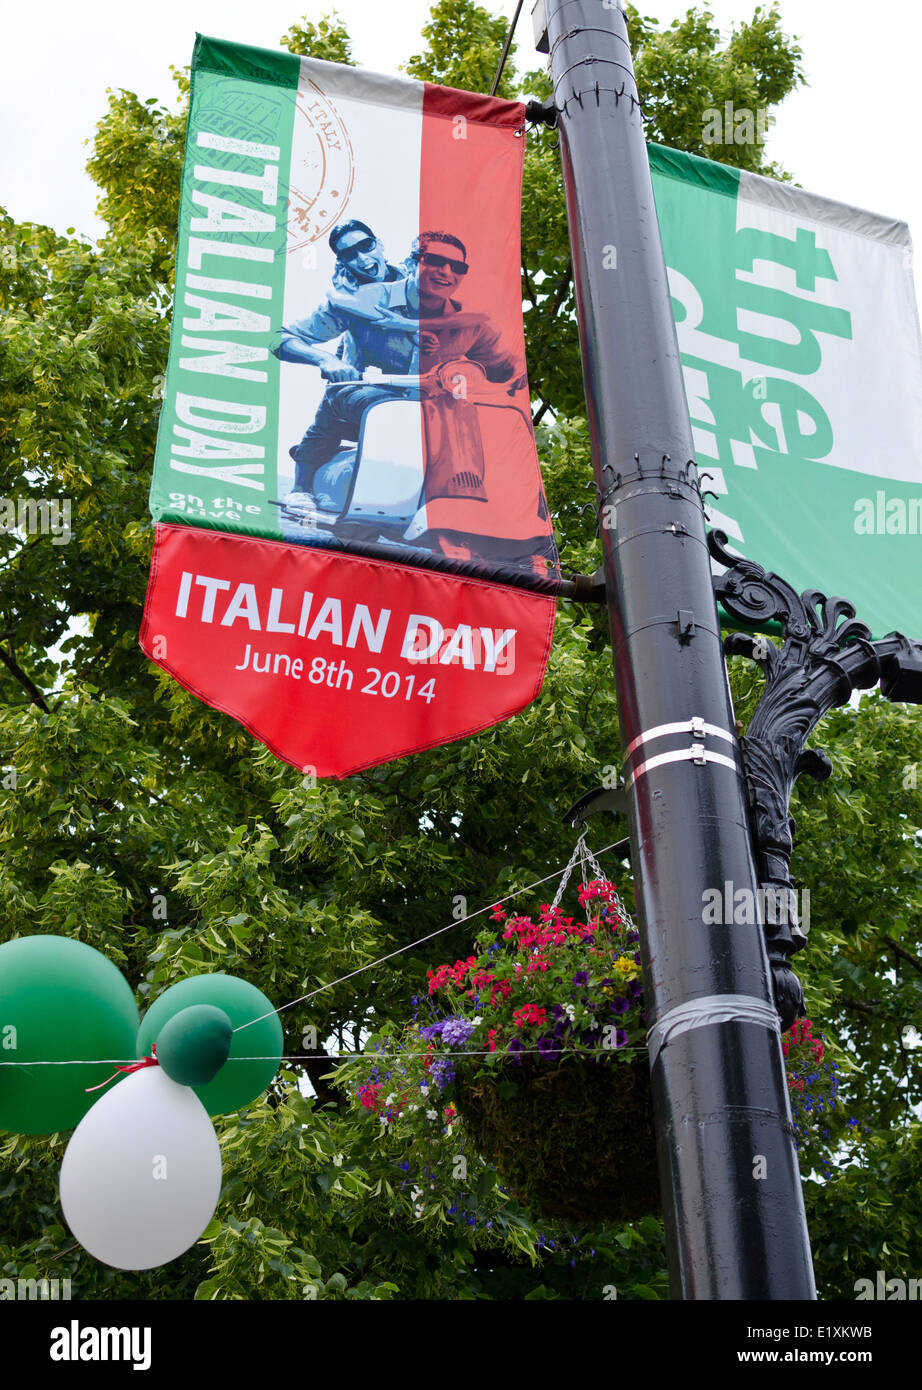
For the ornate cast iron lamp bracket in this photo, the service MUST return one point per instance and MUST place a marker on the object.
(824, 656)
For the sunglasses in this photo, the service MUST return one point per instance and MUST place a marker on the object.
(361, 248)
(442, 262)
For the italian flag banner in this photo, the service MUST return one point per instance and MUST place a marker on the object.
(799, 336)
(354, 556)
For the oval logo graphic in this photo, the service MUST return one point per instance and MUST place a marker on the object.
(322, 168)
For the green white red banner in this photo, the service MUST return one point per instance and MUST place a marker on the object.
(346, 415)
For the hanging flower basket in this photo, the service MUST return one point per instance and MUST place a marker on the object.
(536, 1053)
(571, 1139)
(560, 1103)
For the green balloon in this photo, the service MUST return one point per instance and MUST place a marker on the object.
(238, 1082)
(194, 1044)
(60, 1001)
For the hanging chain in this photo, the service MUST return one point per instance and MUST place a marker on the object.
(584, 855)
(587, 860)
(587, 857)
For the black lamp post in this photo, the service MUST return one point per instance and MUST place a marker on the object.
(734, 1213)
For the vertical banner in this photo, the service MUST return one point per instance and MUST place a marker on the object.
(354, 556)
(799, 335)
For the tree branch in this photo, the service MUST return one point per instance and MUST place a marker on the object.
(317, 1063)
(560, 293)
(35, 695)
(872, 1010)
(592, 694)
(901, 951)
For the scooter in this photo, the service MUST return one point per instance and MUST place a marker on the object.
(420, 476)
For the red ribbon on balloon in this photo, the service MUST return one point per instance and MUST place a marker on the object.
(150, 1061)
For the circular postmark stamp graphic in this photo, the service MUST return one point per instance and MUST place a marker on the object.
(322, 167)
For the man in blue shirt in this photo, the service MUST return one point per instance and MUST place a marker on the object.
(403, 327)
(360, 260)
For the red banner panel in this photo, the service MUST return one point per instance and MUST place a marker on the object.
(337, 663)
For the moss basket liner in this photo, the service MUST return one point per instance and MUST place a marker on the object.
(574, 1140)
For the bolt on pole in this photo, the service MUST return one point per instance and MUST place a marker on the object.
(733, 1205)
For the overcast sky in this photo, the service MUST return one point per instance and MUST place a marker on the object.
(853, 134)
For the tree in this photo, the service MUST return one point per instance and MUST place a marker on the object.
(138, 820)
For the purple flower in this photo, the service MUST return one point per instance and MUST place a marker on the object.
(581, 977)
(456, 1031)
(636, 988)
(620, 1005)
(442, 1072)
(548, 1046)
(433, 1030)
(620, 1038)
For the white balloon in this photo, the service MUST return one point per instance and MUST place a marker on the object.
(141, 1175)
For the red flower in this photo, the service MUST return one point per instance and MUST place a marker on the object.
(446, 973)
(529, 1014)
(369, 1096)
(502, 988)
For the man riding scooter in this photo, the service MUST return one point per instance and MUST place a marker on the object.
(401, 328)
(360, 260)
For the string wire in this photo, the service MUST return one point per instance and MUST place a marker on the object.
(327, 1056)
(506, 46)
(529, 888)
(338, 1056)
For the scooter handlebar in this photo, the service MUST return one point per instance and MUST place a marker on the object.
(416, 385)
